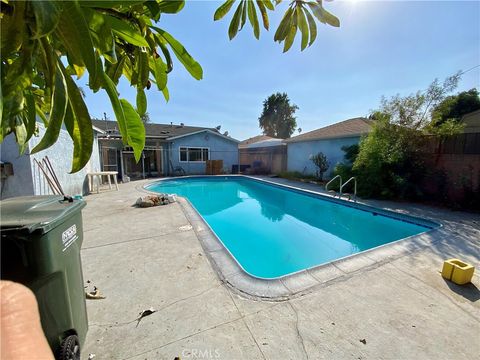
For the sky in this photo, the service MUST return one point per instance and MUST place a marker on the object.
(381, 48)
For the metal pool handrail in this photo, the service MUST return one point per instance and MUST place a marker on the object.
(328, 183)
(354, 189)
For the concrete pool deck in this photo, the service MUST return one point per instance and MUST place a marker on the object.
(396, 307)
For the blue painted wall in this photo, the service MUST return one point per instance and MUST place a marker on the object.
(220, 149)
(298, 153)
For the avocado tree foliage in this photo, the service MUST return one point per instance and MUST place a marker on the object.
(45, 44)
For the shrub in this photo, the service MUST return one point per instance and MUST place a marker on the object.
(322, 164)
(388, 162)
(344, 168)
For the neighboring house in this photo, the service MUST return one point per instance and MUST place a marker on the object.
(27, 178)
(329, 140)
(255, 139)
(167, 147)
(266, 153)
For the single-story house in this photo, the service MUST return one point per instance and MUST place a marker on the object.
(263, 154)
(24, 176)
(168, 148)
(254, 140)
(329, 140)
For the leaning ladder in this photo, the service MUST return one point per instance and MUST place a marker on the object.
(354, 188)
(334, 192)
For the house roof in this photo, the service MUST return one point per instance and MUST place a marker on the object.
(265, 143)
(255, 139)
(347, 128)
(159, 131)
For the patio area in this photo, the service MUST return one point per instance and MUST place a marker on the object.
(392, 306)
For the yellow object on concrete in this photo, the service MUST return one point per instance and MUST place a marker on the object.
(457, 271)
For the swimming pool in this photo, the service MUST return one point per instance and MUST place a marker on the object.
(273, 231)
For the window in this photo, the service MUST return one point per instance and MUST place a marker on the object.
(183, 154)
(194, 154)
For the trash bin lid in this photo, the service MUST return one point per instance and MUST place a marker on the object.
(36, 213)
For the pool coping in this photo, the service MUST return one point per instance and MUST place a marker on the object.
(307, 280)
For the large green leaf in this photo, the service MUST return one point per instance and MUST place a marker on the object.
(313, 27)
(20, 133)
(291, 34)
(48, 64)
(75, 35)
(302, 24)
(233, 28)
(47, 14)
(223, 9)
(12, 28)
(111, 90)
(244, 15)
(135, 129)
(101, 33)
(316, 11)
(30, 115)
(263, 12)
(127, 32)
(41, 114)
(165, 52)
(142, 68)
(154, 9)
(171, 6)
(268, 4)
(141, 102)
(330, 18)
(129, 122)
(78, 123)
(57, 113)
(192, 66)
(114, 71)
(166, 93)
(284, 26)
(159, 70)
(252, 17)
(323, 15)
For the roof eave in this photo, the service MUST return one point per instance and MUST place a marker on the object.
(200, 131)
(327, 137)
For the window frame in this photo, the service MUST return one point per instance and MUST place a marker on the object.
(188, 148)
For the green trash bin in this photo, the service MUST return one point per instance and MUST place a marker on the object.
(41, 237)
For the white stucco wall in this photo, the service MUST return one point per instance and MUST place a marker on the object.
(298, 153)
(28, 179)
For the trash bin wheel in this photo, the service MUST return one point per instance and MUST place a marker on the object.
(69, 348)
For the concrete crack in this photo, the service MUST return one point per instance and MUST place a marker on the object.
(246, 325)
(200, 332)
(160, 309)
(299, 335)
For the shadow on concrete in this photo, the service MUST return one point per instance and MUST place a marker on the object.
(468, 291)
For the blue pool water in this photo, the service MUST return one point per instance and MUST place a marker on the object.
(273, 231)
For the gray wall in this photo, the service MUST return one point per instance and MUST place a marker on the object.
(298, 153)
(220, 149)
(20, 184)
(30, 180)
